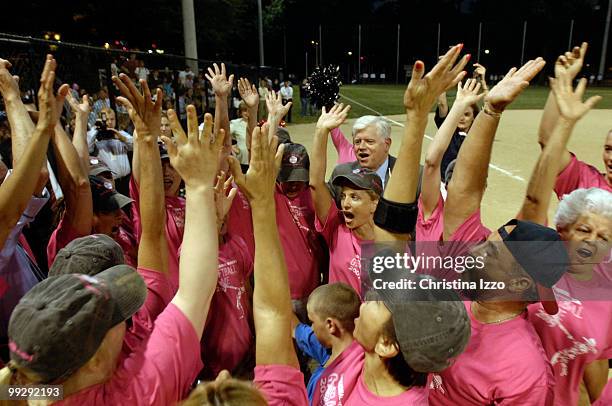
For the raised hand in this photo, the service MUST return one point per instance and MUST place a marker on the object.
(423, 90)
(144, 112)
(46, 99)
(248, 92)
(571, 62)
(334, 117)
(9, 86)
(276, 110)
(223, 199)
(218, 80)
(479, 70)
(569, 100)
(195, 157)
(515, 81)
(259, 181)
(468, 93)
(83, 108)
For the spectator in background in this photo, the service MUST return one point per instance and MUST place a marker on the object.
(114, 68)
(141, 72)
(238, 129)
(129, 67)
(304, 101)
(262, 113)
(182, 76)
(111, 146)
(102, 102)
(287, 96)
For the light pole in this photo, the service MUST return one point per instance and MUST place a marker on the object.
(261, 43)
(348, 66)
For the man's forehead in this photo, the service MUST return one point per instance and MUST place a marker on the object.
(370, 131)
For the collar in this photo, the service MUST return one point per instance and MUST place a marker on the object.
(382, 171)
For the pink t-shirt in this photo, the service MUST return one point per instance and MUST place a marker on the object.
(338, 379)
(341, 383)
(301, 246)
(346, 153)
(605, 399)
(126, 238)
(160, 372)
(344, 249)
(471, 230)
(431, 229)
(503, 363)
(159, 294)
(175, 226)
(281, 385)
(578, 175)
(578, 334)
(228, 335)
(295, 219)
(60, 237)
(361, 396)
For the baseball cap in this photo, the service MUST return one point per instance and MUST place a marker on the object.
(295, 164)
(97, 166)
(432, 326)
(105, 198)
(541, 253)
(283, 135)
(60, 323)
(362, 178)
(88, 255)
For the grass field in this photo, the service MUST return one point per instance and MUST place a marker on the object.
(387, 100)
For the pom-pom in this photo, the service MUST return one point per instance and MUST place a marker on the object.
(324, 86)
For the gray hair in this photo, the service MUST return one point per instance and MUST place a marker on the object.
(593, 200)
(383, 128)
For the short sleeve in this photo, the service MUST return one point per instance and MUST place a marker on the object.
(60, 237)
(330, 228)
(309, 344)
(282, 385)
(472, 229)
(578, 174)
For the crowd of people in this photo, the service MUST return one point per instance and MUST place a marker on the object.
(210, 262)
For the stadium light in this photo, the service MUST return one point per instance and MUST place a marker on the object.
(487, 51)
(349, 53)
(106, 45)
(57, 37)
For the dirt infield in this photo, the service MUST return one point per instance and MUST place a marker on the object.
(515, 153)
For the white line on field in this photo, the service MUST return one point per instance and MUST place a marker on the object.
(493, 166)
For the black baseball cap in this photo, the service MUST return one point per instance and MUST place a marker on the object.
(295, 164)
(361, 178)
(283, 135)
(97, 167)
(541, 253)
(105, 198)
(61, 322)
(88, 255)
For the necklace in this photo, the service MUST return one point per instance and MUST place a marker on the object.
(500, 320)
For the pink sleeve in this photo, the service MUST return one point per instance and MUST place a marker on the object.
(163, 372)
(346, 153)
(576, 175)
(330, 228)
(472, 229)
(159, 294)
(431, 229)
(282, 385)
(61, 237)
(135, 208)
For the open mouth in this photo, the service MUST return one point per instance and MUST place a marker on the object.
(348, 215)
(609, 167)
(363, 155)
(584, 253)
(167, 183)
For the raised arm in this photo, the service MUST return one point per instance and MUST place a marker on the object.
(272, 309)
(22, 127)
(467, 185)
(321, 195)
(276, 111)
(195, 158)
(72, 176)
(79, 138)
(480, 74)
(249, 94)
(222, 86)
(572, 63)
(430, 189)
(146, 116)
(16, 191)
(571, 109)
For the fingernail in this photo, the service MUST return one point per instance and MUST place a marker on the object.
(467, 57)
(461, 46)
